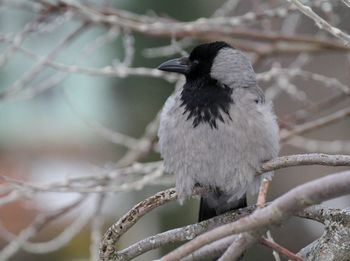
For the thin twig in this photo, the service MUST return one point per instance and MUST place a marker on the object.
(36, 69)
(315, 124)
(264, 187)
(274, 253)
(39, 223)
(276, 247)
(321, 23)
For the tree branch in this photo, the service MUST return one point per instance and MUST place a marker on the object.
(179, 234)
(311, 125)
(305, 159)
(280, 249)
(333, 245)
(321, 23)
(280, 209)
(107, 248)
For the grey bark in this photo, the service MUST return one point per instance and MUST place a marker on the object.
(334, 244)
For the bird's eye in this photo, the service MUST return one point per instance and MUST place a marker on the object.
(195, 62)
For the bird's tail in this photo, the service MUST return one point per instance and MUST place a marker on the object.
(216, 203)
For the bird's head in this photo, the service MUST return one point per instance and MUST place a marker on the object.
(212, 72)
(217, 61)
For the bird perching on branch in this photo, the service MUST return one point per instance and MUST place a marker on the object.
(217, 129)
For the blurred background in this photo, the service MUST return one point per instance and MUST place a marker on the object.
(77, 94)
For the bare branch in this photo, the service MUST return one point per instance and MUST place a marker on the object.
(241, 242)
(297, 199)
(96, 227)
(276, 247)
(306, 159)
(213, 250)
(107, 249)
(274, 253)
(203, 28)
(333, 245)
(309, 126)
(40, 222)
(31, 74)
(179, 234)
(311, 145)
(244, 240)
(264, 187)
(321, 23)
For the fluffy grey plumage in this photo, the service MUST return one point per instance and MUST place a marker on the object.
(219, 141)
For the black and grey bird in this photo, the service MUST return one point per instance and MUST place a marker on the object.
(217, 129)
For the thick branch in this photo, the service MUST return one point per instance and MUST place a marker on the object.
(333, 245)
(179, 234)
(295, 200)
(107, 248)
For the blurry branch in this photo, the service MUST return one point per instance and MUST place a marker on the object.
(167, 50)
(347, 3)
(11, 196)
(41, 221)
(285, 135)
(23, 5)
(144, 145)
(107, 248)
(240, 243)
(203, 28)
(142, 174)
(306, 75)
(302, 115)
(136, 176)
(96, 228)
(275, 253)
(37, 68)
(311, 145)
(54, 244)
(276, 247)
(142, 148)
(321, 23)
(42, 23)
(120, 70)
(102, 131)
(55, 79)
(226, 8)
(212, 250)
(310, 193)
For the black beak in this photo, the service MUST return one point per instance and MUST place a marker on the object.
(180, 65)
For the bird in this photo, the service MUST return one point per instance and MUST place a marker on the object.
(217, 129)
